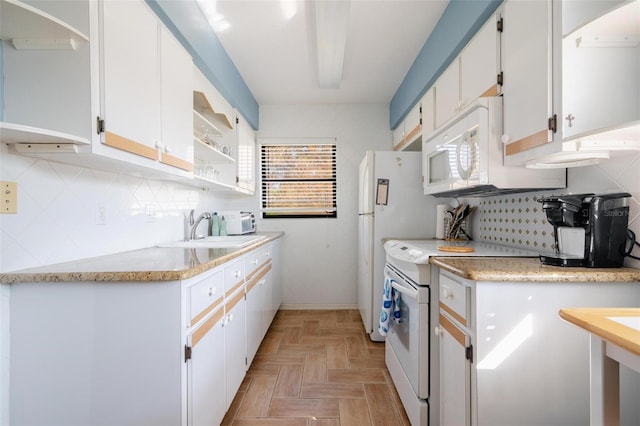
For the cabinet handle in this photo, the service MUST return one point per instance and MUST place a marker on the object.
(437, 330)
(229, 318)
(212, 291)
(261, 282)
(448, 294)
(237, 274)
(506, 139)
(167, 149)
(254, 262)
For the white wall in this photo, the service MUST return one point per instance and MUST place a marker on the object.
(320, 255)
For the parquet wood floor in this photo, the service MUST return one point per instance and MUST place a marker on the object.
(317, 368)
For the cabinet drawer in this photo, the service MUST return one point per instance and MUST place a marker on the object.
(256, 261)
(233, 276)
(205, 296)
(454, 299)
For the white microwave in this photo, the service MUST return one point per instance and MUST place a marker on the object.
(464, 157)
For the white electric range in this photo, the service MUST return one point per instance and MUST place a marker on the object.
(411, 350)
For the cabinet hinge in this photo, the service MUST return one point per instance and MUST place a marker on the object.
(553, 123)
(500, 78)
(468, 353)
(187, 353)
(500, 25)
(99, 125)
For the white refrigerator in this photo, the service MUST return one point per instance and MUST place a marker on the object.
(391, 204)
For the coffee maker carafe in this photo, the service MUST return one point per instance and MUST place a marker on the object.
(589, 230)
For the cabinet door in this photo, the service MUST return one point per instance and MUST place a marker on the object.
(455, 375)
(447, 94)
(398, 136)
(256, 298)
(428, 114)
(246, 156)
(206, 399)
(526, 64)
(479, 64)
(176, 72)
(235, 345)
(130, 78)
(600, 84)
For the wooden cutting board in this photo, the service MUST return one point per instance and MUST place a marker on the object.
(456, 249)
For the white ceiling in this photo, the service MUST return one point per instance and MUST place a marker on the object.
(275, 56)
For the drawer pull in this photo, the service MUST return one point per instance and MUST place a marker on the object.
(448, 294)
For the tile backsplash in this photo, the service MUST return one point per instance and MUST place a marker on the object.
(67, 212)
(518, 220)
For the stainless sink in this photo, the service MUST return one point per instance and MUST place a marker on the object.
(224, 241)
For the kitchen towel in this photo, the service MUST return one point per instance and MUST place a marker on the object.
(441, 211)
(390, 301)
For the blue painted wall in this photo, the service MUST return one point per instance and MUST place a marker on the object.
(185, 20)
(460, 21)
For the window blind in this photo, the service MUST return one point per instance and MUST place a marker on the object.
(298, 180)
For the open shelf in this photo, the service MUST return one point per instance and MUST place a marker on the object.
(31, 28)
(206, 152)
(202, 105)
(11, 133)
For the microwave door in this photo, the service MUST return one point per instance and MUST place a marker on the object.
(443, 167)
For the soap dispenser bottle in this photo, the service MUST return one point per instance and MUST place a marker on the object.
(215, 225)
(223, 226)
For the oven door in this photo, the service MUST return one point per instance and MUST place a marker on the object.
(409, 338)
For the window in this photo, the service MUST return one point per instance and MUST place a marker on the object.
(298, 180)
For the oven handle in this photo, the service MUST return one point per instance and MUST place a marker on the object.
(412, 293)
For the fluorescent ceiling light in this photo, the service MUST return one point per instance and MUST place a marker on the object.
(331, 19)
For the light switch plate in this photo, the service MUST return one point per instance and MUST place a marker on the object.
(8, 197)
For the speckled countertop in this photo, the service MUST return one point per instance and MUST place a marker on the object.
(528, 269)
(148, 264)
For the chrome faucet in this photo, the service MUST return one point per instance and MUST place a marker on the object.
(205, 215)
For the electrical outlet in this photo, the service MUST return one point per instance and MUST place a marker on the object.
(101, 214)
(8, 197)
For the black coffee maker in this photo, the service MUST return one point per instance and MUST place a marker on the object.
(590, 230)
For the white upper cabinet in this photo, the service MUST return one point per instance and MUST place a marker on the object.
(570, 81)
(427, 115)
(527, 69)
(447, 93)
(146, 78)
(130, 77)
(600, 69)
(123, 99)
(408, 133)
(46, 77)
(176, 103)
(480, 64)
(471, 75)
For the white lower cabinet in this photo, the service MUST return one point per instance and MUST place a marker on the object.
(235, 344)
(455, 374)
(132, 353)
(507, 358)
(206, 394)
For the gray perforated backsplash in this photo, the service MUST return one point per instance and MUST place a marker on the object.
(514, 220)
